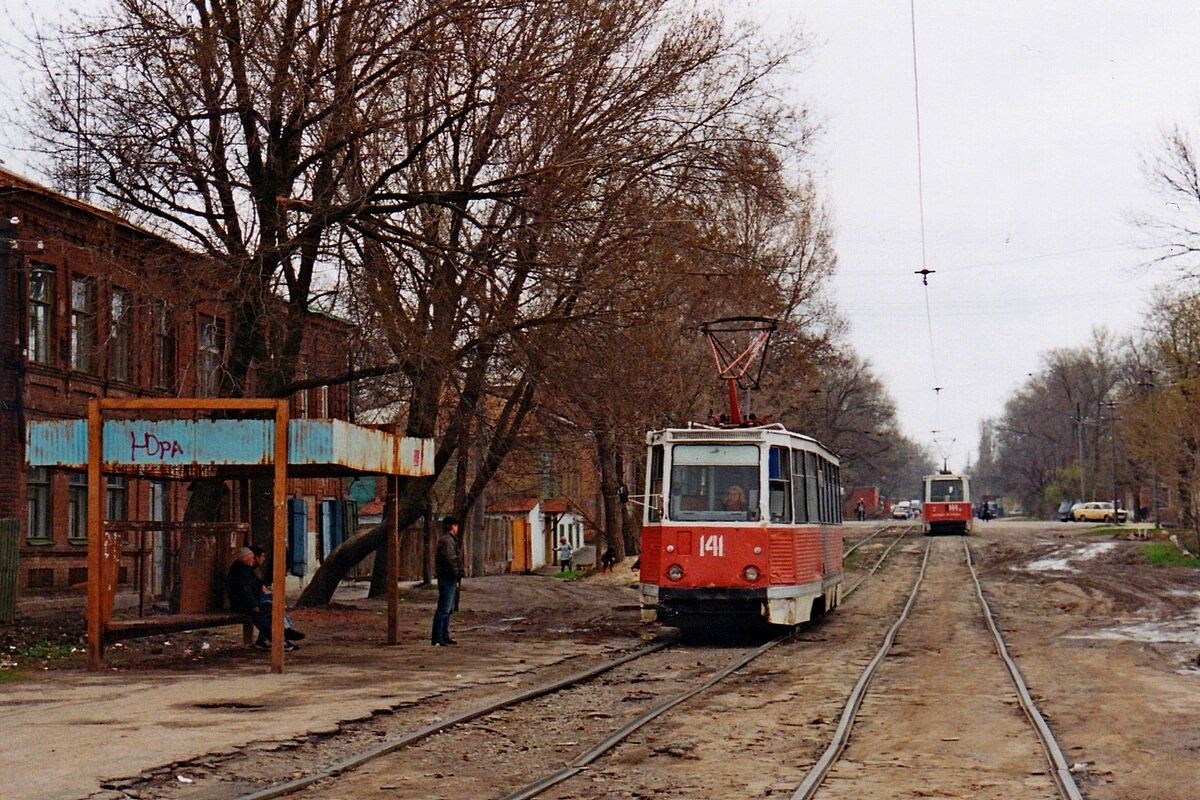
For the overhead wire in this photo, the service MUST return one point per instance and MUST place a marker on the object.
(937, 387)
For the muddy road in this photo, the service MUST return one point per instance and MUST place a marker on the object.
(1107, 643)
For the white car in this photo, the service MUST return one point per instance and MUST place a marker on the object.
(902, 510)
(1097, 512)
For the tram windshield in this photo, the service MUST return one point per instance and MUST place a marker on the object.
(714, 482)
(945, 491)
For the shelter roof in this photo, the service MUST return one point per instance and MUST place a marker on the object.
(196, 448)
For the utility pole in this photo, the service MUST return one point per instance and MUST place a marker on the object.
(1078, 418)
(1147, 386)
(1112, 435)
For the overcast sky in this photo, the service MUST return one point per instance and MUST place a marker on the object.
(1035, 118)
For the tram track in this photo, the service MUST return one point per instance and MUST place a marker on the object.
(1058, 770)
(319, 780)
(875, 532)
(604, 742)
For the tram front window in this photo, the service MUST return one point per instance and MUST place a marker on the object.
(943, 491)
(714, 482)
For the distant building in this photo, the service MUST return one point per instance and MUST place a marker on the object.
(869, 495)
(533, 527)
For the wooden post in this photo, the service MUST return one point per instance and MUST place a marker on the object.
(279, 555)
(393, 566)
(95, 517)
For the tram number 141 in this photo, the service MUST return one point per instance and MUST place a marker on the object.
(712, 545)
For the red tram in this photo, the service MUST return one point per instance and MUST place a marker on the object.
(741, 524)
(947, 507)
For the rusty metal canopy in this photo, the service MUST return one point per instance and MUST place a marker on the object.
(199, 448)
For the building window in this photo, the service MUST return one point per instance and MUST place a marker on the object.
(83, 323)
(37, 493)
(41, 314)
(117, 497)
(164, 347)
(77, 506)
(120, 341)
(210, 355)
(42, 578)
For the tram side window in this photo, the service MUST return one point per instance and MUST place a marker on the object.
(798, 484)
(780, 476)
(836, 486)
(654, 484)
(822, 489)
(810, 483)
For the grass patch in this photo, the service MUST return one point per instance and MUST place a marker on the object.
(1167, 553)
(1107, 530)
(38, 655)
(569, 575)
(8, 675)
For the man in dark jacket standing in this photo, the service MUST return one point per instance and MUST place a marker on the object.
(449, 568)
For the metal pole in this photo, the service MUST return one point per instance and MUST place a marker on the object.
(1112, 436)
(95, 554)
(279, 557)
(1079, 436)
(1154, 488)
(393, 561)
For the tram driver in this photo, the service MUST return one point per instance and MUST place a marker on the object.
(735, 498)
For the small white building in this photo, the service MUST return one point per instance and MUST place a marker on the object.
(536, 527)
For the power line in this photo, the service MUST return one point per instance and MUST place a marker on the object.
(924, 271)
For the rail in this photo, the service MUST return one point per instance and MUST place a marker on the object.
(1060, 771)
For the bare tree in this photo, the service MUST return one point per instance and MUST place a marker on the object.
(1162, 417)
(586, 120)
(1055, 440)
(1173, 172)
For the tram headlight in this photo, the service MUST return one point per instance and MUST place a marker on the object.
(675, 572)
(750, 573)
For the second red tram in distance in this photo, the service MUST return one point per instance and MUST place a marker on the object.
(742, 524)
(947, 507)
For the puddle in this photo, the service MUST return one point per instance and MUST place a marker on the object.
(1061, 559)
(1177, 630)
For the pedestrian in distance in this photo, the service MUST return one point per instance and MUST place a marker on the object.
(245, 590)
(860, 511)
(449, 568)
(565, 552)
(609, 559)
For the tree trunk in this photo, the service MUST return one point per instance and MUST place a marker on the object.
(350, 552)
(379, 570)
(606, 453)
(631, 528)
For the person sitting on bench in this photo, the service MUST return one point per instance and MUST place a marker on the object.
(247, 596)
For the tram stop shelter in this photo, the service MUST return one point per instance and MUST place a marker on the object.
(195, 438)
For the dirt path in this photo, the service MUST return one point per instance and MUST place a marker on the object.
(1107, 643)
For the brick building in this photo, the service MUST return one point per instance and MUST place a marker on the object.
(92, 306)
